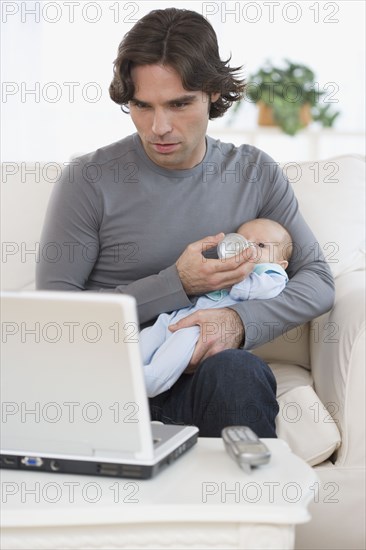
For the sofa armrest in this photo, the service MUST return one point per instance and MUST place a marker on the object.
(337, 351)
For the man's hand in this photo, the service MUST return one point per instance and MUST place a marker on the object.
(221, 329)
(200, 275)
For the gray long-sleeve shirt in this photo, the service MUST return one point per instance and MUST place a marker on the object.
(118, 222)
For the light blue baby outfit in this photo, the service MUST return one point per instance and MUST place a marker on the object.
(166, 354)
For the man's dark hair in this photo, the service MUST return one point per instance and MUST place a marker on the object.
(185, 41)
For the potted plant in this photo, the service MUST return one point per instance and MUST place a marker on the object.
(287, 97)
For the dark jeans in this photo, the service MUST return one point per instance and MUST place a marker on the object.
(232, 387)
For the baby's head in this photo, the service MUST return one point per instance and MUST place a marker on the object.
(272, 241)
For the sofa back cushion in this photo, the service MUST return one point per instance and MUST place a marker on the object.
(331, 195)
(292, 348)
(25, 190)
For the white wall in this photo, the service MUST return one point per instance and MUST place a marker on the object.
(48, 44)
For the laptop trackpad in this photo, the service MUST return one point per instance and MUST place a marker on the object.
(164, 432)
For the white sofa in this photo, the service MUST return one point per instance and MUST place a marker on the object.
(320, 367)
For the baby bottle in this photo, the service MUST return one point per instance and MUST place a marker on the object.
(231, 245)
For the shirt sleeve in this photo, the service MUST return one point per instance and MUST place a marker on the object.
(70, 244)
(310, 290)
(259, 287)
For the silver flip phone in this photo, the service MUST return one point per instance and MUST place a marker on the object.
(244, 446)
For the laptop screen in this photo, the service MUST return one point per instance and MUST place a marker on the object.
(71, 375)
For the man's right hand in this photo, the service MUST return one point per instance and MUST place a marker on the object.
(200, 275)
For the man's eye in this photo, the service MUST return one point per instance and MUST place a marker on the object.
(179, 105)
(140, 105)
(261, 245)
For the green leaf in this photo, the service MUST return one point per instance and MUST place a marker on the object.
(286, 88)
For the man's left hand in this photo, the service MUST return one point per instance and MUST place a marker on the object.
(221, 329)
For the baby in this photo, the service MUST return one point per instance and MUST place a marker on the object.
(166, 354)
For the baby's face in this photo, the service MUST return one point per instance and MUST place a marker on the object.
(266, 237)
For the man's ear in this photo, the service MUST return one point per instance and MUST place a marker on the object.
(214, 97)
(284, 264)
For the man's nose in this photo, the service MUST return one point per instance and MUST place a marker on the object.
(161, 123)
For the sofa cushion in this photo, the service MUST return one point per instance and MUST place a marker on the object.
(25, 190)
(329, 191)
(303, 421)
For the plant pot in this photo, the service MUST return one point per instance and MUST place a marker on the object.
(265, 115)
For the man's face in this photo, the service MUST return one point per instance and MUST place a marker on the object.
(170, 120)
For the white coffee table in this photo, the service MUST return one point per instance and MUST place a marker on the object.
(202, 501)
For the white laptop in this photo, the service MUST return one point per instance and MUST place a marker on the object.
(73, 396)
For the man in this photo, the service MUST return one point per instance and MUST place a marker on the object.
(137, 215)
